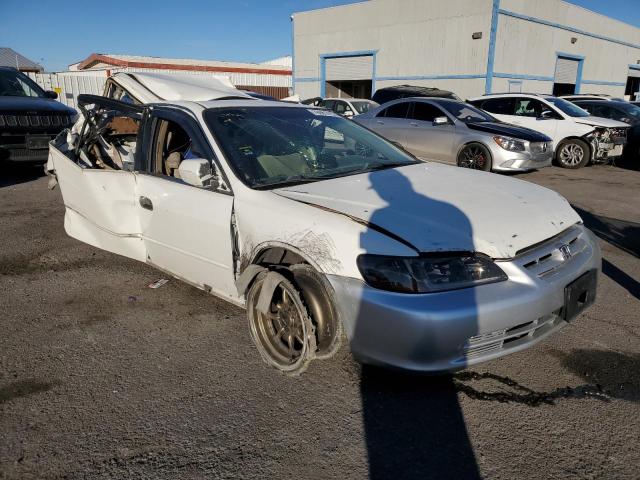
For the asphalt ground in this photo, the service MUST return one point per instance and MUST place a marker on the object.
(103, 377)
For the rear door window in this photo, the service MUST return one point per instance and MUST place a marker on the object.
(399, 110)
(500, 106)
(425, 112)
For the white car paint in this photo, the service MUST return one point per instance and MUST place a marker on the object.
(498, 236)
(268, 217)
(558, 129)
(329, 223)
(157, 87)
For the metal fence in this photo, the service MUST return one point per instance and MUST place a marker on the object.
(69, 86)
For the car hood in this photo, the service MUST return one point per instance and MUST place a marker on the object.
(500, 128)
(599, 122)
(32, 104)
(439, 208)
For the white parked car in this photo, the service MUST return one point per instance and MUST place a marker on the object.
(348, 107)
(314, 224)
(578, 137)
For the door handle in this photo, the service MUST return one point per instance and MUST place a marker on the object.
(379, 122)
(146, 203)
(413, 124)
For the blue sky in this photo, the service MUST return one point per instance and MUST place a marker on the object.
(58, 33)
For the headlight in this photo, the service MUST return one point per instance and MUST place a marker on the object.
(428, 274)
(511, 144)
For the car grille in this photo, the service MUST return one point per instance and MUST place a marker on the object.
(551, 255)
(9, 120)
(488, 343)
(541, 147)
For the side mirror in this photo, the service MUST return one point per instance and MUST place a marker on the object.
(440, 121)
(196, 172)
(348, 113)
(546, 115)
(50, 94)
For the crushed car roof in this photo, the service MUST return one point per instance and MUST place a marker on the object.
(187, 87)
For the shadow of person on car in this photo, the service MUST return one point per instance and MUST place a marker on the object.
(414, 426)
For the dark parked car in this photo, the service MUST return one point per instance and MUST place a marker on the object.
(389, 94)
(29, 118)
(623, 112)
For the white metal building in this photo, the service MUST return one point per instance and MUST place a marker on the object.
(470, 47)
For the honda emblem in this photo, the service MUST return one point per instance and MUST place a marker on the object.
(565, 251)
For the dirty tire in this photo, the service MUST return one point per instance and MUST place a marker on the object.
(285, 337)
(475, 156)
(319, 298)
(573, 153)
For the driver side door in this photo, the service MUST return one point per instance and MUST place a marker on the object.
(186, 229)
(534, 114)
(98, 194)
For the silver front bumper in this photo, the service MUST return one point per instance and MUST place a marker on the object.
(451, 330)
(504, 160)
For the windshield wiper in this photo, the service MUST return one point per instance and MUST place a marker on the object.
(287, 182)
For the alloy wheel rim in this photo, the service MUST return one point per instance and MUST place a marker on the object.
(281, 330)
(473, 157)
(571, 154)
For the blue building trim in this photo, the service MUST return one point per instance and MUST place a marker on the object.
(566, 27)
(599, 82)
(491, 56)
(633, 66)
(355, 53)
(293, 56)
(517, 76)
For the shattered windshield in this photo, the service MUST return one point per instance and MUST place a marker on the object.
(271, 147)
(16, 84)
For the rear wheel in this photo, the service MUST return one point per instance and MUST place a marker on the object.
(475, 156)
(284, 335)
(572, 154)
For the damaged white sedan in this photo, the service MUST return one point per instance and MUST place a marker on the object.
(318, 226)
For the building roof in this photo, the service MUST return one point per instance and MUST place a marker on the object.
(104, 60)
(10, 58)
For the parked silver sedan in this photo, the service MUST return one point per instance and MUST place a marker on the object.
(455, 132)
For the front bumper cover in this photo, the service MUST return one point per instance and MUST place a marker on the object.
(448, 331)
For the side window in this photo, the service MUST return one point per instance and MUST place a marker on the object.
(425, 112)
(340, 108)
(528, 107)
(330, 104)
(607, 112)
(170, 145)
(586, 106)
(118, 93)
(399, 110)
(500, 106)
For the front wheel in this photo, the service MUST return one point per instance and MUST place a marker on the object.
(283, 334)
(475, 156)
(572, 154)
